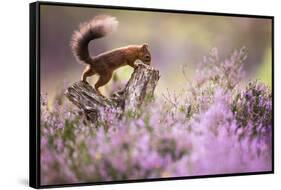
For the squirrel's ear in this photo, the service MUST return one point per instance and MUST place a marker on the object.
(145, 46)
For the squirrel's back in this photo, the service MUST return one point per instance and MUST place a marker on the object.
(98, 27)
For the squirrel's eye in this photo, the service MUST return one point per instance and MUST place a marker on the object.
(147, 58)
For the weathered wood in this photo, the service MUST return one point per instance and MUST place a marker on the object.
(86, 98)
(140, 87)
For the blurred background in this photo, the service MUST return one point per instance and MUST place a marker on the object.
(176, 41)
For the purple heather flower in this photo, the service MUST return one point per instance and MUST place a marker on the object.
(216, 126)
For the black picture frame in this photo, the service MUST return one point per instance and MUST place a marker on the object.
(34, 92)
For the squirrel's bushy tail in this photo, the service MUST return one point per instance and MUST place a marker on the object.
(98, 27)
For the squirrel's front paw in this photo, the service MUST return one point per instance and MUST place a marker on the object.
(136, 65)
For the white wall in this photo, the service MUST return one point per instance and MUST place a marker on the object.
(14, 93)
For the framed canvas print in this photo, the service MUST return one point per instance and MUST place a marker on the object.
(120, 94)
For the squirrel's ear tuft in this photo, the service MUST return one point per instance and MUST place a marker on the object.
(145, 46)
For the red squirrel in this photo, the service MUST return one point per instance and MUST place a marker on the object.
(105, 63)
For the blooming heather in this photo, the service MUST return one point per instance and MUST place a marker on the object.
(217, 126)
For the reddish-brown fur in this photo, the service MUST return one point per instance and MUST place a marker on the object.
(105, 63)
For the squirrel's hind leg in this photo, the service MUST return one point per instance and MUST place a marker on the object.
(103, 80)
(87, 73)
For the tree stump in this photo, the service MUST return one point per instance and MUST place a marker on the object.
(138, 89)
